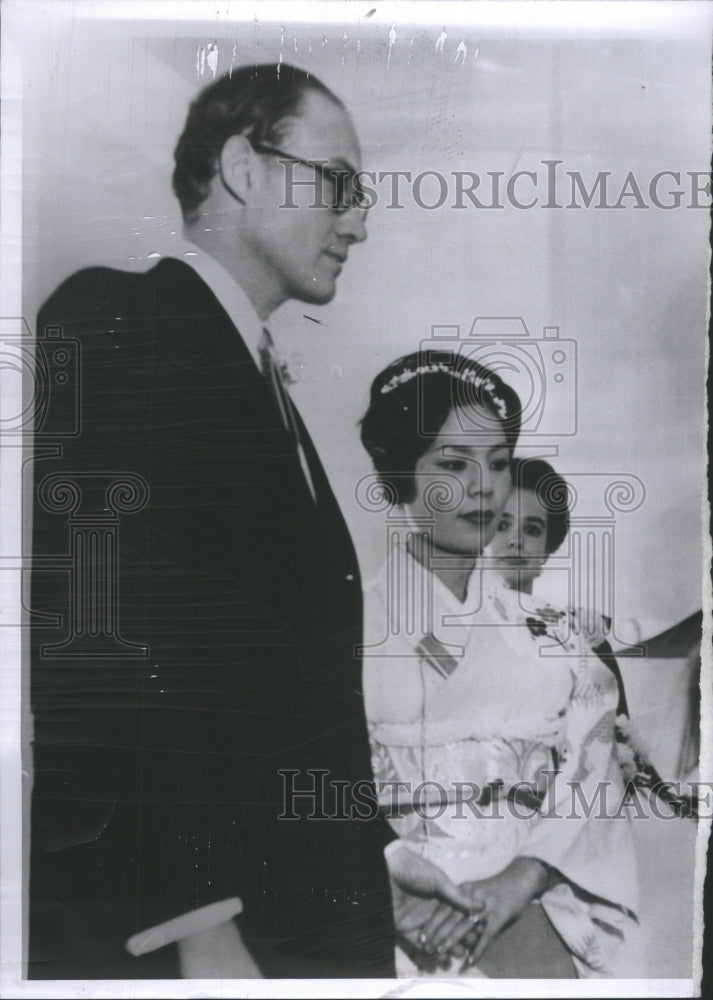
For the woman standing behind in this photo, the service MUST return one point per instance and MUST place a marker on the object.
(468, 720)
(533, 525)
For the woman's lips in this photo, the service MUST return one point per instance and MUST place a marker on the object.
(478, 518)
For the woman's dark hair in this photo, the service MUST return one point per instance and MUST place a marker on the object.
(410, 402)
(252, 101)
(551, 491)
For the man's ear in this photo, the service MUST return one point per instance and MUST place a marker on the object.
(236, 160)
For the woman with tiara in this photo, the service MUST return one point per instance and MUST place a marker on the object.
(492, 743)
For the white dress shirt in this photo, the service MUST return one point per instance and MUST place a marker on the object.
(228, 292)
(242, 313)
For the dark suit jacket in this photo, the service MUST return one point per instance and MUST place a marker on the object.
(173, 690)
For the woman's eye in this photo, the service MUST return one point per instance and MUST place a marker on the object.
(504, 526)
(534, 530)
(499, 464)
(452, 465)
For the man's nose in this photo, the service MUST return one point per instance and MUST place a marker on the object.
(352, 225)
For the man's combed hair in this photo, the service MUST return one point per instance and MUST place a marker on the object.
(551, 491)
(252, 101)
(410, 402)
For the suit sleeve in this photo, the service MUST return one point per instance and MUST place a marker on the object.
(150, 726)
(179, 670)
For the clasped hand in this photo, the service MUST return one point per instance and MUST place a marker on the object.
(438, 921)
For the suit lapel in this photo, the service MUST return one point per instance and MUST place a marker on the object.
(327, 617)
(220, 343)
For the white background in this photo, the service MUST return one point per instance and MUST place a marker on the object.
(100, 92)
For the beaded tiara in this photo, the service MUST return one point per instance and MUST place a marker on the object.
(468, 376)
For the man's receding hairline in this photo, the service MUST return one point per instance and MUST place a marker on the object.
(309, 87)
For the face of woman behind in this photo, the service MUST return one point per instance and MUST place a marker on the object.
(463, 482)
(520, 542)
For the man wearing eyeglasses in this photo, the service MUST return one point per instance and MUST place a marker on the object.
(186, 695)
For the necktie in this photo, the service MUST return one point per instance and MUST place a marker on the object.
(272, 371)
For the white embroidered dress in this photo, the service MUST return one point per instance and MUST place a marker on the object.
(473, 709)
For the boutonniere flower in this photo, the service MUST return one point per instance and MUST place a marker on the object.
(286, 375)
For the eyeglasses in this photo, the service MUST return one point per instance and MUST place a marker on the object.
(348, 192)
